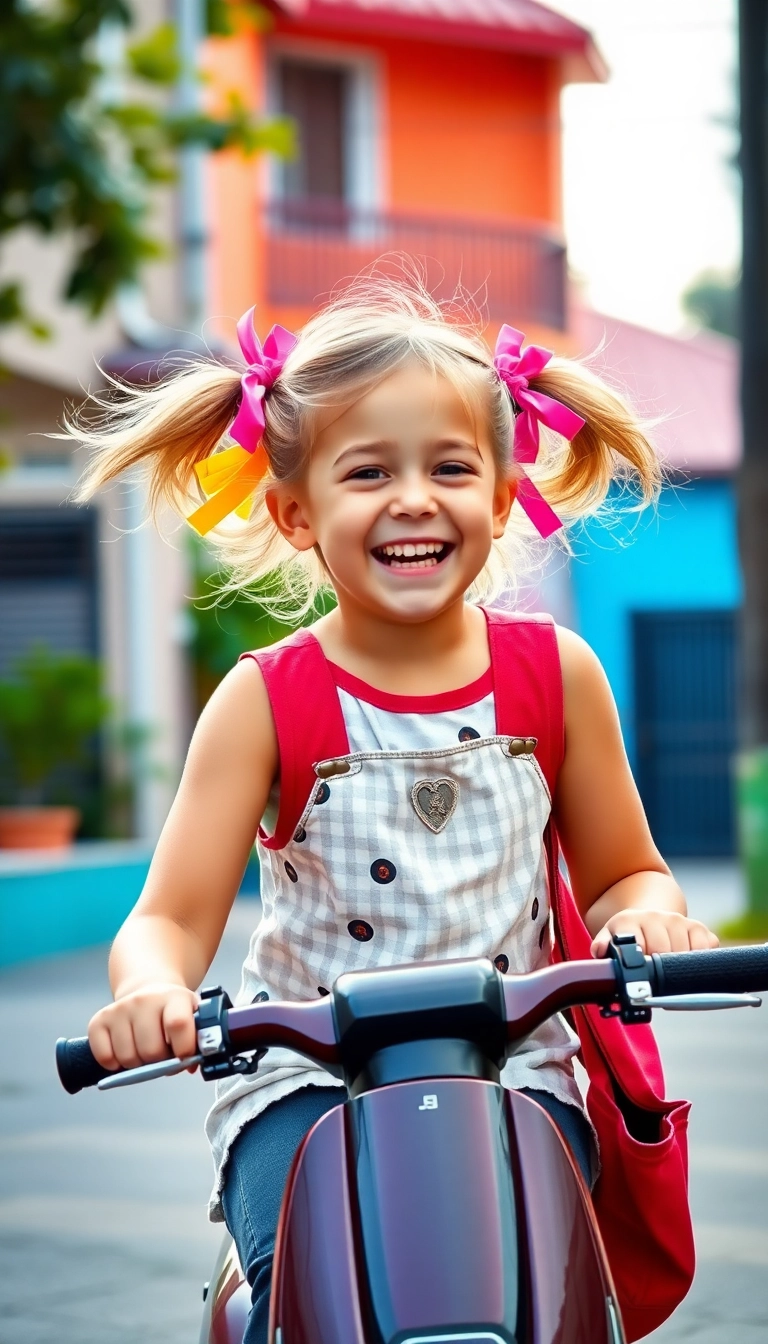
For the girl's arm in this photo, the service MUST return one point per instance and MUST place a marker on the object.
(620, 881)
(165, 946)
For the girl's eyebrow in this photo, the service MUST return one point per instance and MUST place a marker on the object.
(368, 447)
(386, 445)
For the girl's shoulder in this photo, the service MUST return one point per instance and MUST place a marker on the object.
(581, 669)
(235, 735)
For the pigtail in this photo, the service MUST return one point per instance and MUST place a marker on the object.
(165, 429)
(612, 445)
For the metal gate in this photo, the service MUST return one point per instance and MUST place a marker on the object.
(48, 596)
(47, 582)
(685, 711)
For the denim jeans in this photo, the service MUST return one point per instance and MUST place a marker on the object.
(258, 1166)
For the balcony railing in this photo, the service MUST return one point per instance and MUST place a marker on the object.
(516, 272)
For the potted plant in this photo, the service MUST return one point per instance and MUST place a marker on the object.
(49, 712)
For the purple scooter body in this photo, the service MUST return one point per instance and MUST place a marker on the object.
(438, 1210)
(433, 1206)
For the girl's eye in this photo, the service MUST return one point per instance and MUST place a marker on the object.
(366, 474)
(453, 469)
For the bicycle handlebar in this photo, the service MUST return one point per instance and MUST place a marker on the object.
(718, 970)
(528, 1001)
(77, 1065)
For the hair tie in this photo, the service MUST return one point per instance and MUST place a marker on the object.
(229, 477)
(515, 368)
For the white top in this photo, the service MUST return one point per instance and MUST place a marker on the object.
(428, 847)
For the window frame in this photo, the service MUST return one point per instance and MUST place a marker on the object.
(363, 148)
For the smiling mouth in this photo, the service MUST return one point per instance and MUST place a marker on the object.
(413, 555)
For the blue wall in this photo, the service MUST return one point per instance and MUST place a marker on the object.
(58, 902)
(51, 902)
(682, 557)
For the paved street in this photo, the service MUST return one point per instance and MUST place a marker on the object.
(103, 1238)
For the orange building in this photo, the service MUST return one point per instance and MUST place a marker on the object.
(429, 127)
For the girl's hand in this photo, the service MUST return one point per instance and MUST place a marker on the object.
(151, 1023)
(656, 931)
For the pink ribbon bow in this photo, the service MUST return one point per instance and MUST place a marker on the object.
(515, 368)
(264, 366)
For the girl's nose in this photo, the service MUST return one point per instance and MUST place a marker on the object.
(414, 498)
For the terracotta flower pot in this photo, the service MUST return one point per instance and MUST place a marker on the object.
(38, 827)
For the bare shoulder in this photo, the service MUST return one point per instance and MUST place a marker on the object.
(580, 664)
(587, 694)
(237, 721)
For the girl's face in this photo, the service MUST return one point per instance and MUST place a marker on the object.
(402, 497)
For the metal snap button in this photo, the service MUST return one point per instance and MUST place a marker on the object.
(327, 769)
(522, 746)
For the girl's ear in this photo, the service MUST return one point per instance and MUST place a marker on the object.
(287, 514)
(503, 499)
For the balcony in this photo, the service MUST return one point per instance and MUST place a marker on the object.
(517, 273)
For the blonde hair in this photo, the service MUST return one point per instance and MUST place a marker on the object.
(366, 333)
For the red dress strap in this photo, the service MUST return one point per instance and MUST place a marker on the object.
(528, 684)
(308, 722)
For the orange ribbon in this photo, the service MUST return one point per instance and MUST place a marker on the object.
(229, 479)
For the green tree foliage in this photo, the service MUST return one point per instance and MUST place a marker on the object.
(49, 712)
(713, 300)
(73, 160)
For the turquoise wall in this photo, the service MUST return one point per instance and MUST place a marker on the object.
(681, 556)
(54, 903)
(51, 904)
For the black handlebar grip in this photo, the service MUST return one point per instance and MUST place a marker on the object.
(77, 1064)
(717, 970)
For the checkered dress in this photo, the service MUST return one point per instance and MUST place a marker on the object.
(423, 842)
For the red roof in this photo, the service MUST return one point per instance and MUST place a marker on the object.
(689, 384)
(507, 25)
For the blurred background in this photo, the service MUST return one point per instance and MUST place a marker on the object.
(163, 166)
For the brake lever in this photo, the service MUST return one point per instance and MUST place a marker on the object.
(164, 1068)
(702, 1003)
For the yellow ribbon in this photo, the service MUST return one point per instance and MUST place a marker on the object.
(229, 479)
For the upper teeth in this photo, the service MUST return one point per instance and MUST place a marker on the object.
(418, 548)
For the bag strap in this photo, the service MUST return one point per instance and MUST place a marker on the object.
(528, 684)
(308, 722)
(614, 1055)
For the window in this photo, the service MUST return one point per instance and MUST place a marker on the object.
(333, 96)
(47, 582)
(315, 96)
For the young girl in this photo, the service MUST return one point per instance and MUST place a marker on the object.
(387, 454)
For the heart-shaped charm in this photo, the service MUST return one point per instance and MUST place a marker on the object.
(434, 802)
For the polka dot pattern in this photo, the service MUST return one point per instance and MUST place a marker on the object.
(291, 871)
(501, 963)
(360, 930)
(383, 871)
(535, 909)
(468, 734)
